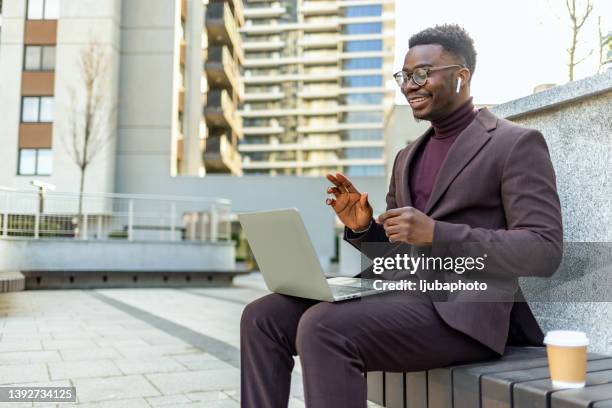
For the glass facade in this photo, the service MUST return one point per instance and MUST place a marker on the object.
(363, 45)
(37, 109)
(362, 28)
(364, 99)
(365, 171)
(359, 81)
(363, 117)
(363, 63)
(363, 152)
(39, 58)
(364, 11)
(35, 162)
(363, 134)
(43, 9)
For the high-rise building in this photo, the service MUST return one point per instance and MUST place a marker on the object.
(315, 76)
(165, 94)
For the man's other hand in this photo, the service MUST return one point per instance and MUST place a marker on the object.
(408, 225)
(351, 206)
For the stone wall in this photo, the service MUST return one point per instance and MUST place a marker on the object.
(576, 120)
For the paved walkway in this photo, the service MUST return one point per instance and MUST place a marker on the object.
(130, 347)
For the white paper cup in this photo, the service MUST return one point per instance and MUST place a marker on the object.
(567, 358)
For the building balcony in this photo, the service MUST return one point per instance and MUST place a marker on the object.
(329, 41)
(220, 111)
(318, 93)
(274, 10)
(263, 96)
(222, 28)
(260, 130)
(263, 45)
(278, 147)
(220, 156)
(310, 8)
(221, 69)
(260, 165)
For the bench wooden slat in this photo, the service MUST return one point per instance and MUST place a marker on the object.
(584, 397)
(395, 390)
(376, 387)
(536, 394)
(496, 389)
(440, 380)
(416, 389)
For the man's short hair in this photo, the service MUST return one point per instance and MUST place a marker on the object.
(453, 38)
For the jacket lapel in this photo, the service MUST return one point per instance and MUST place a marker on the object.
(405, 173)
(463, 150)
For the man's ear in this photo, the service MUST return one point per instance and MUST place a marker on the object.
(465, 75)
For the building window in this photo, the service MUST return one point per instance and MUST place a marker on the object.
(364, 99)
(43, 9)
(362, 134)
(362, 28)
(35, 162)
(363, 117)
(363, 63)
(358, 81)
(353, 171)
(39, 58)
(363, 45)
(363, 153)
(364, 11)
(37, 109)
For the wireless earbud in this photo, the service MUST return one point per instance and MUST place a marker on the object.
(458, 85)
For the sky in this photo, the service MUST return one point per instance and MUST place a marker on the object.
(519, 43)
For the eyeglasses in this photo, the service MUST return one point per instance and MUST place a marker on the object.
(419, 75)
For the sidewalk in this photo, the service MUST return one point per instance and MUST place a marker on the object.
(130, 347)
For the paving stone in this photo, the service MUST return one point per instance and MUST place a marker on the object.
(207, 396)
(192, 381)
(69, 344)
(156, 351)
(202, 361)
(113, 388)
(23, 373)
(27, 357)
(10, 345)
(122, 403)
(168, 400)
(85, 354)
(149, 365)
(82, 369)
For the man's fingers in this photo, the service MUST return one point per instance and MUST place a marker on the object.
(333, 190)
(346, 183)
(330, 201)
(363, 200)
(334, 180)
(390, 214)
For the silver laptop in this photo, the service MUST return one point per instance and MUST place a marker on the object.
(288, 261)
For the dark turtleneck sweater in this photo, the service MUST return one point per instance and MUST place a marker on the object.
(428, 159)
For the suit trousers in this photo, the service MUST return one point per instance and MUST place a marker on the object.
(338, 342)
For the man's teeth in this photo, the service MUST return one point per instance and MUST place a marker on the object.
(417, 99)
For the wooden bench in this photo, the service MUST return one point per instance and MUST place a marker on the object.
(519, 379)
(11, 282)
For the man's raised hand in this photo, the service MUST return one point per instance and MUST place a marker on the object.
(351, 206)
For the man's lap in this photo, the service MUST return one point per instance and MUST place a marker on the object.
(393, 332)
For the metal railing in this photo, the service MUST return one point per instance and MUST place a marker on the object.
(42, 214)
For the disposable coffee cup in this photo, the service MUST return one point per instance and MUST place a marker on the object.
(567, 358)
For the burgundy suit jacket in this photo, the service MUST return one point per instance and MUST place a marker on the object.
(496, 187)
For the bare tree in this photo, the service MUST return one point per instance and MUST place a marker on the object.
(90, 112)
(605, 45)
(577, 23)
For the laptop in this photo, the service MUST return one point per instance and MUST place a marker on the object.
(288, 262)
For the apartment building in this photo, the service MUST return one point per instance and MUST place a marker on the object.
(316, 95)
(170, 89)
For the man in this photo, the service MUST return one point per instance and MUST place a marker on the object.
(471, 178)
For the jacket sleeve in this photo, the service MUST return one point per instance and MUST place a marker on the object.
(532, 243)
(376, 232)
